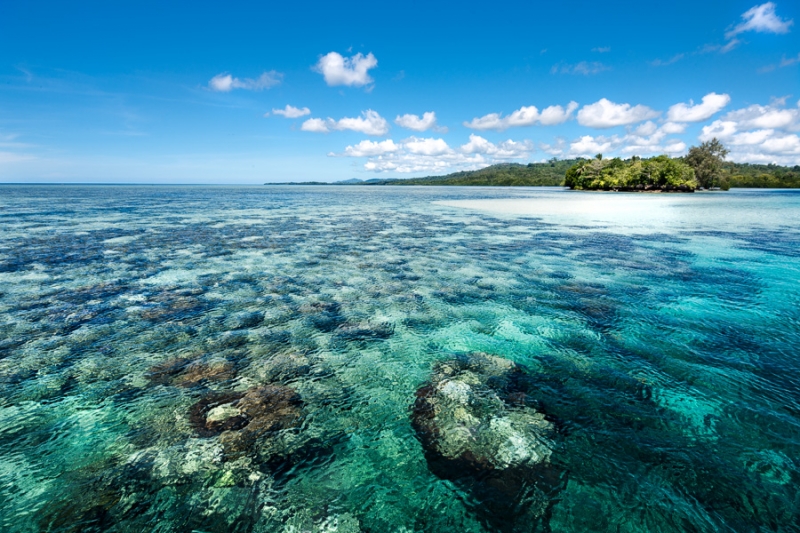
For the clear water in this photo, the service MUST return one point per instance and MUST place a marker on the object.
(661, 332)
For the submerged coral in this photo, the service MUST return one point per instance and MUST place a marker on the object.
(478, 422)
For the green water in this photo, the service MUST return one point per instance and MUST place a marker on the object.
(655, 336)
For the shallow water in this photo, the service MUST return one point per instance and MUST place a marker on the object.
(658, 334)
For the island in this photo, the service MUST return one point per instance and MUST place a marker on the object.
(703, 167)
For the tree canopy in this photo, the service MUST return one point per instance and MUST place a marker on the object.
(660, 173)
(706, 160)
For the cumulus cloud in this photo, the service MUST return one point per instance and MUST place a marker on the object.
(607, 114)
(413, 122)
(316, 125)
(524, 116)
(349, 71)
(585, 68)
(225, 82)
(434, 155)
(760, 18)
(427, 146)
(369, 123)
(505, 150)
(759, 133)
(675, 147)
(555, 114)
(712, 103)
(672, 127)
(371, 148)
(769, 116)
(292, 112)
(646, 139)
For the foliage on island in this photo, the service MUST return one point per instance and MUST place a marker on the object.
(747, 175)
(660, 173)
(550, 174)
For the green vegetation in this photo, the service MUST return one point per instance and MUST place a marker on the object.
(660, 173)
(505, 174)
(706, 160)
(760, 176)
(703, 167)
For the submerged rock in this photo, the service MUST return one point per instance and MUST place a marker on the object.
(185, 372)
(365, 331)
(480, 426)
(242, 419)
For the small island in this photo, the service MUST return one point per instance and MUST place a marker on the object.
(658, 174)
(702, 168)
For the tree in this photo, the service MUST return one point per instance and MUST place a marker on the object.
(706, 160)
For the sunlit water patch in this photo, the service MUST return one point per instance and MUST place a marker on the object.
(354, 359)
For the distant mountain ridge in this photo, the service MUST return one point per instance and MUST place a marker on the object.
(552, 173)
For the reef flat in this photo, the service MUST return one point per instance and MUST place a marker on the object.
(365, 359)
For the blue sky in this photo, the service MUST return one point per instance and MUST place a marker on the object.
(145, 92)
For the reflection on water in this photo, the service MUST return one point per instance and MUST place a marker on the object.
(397, 359)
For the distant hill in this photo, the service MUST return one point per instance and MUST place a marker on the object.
(762, 176)
(552, 174)
(501, 175)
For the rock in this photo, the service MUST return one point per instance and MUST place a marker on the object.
(199, 373)
(481, 427)
(245, 320)
(185, 372)
(163, 373)
(365, 331)
(284, 367)
(324, 316)
(241, 419)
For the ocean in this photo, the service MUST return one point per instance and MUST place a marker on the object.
(396, 359)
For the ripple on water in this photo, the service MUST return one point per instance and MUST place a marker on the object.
(387, 359)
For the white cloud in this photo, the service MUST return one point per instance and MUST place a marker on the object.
(602, 49)
(607, 114)
(759, 134)
(524, 116)
(672, 127)
(429, 146)
(760, 19)
(770, 116)
(371, 148)
(675, 147)
(369, 123)
(712, 104)
(665, 62)
(434, 155)
(721, 129)
(316, 125)
(292, 112)
(790, 61)
(226, 83)
(505, 150)
(413, 122)
(585, 68)
(349, 71)
(555, 114)
(588, 146)
(645, 129)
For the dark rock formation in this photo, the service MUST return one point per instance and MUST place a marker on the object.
(241, 419)
(480, 426)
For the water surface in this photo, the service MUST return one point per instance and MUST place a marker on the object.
(658, 333)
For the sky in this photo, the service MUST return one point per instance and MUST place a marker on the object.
(246, 92)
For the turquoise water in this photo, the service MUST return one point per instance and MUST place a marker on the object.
(349, 359)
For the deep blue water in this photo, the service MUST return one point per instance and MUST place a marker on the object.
(398, 359)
